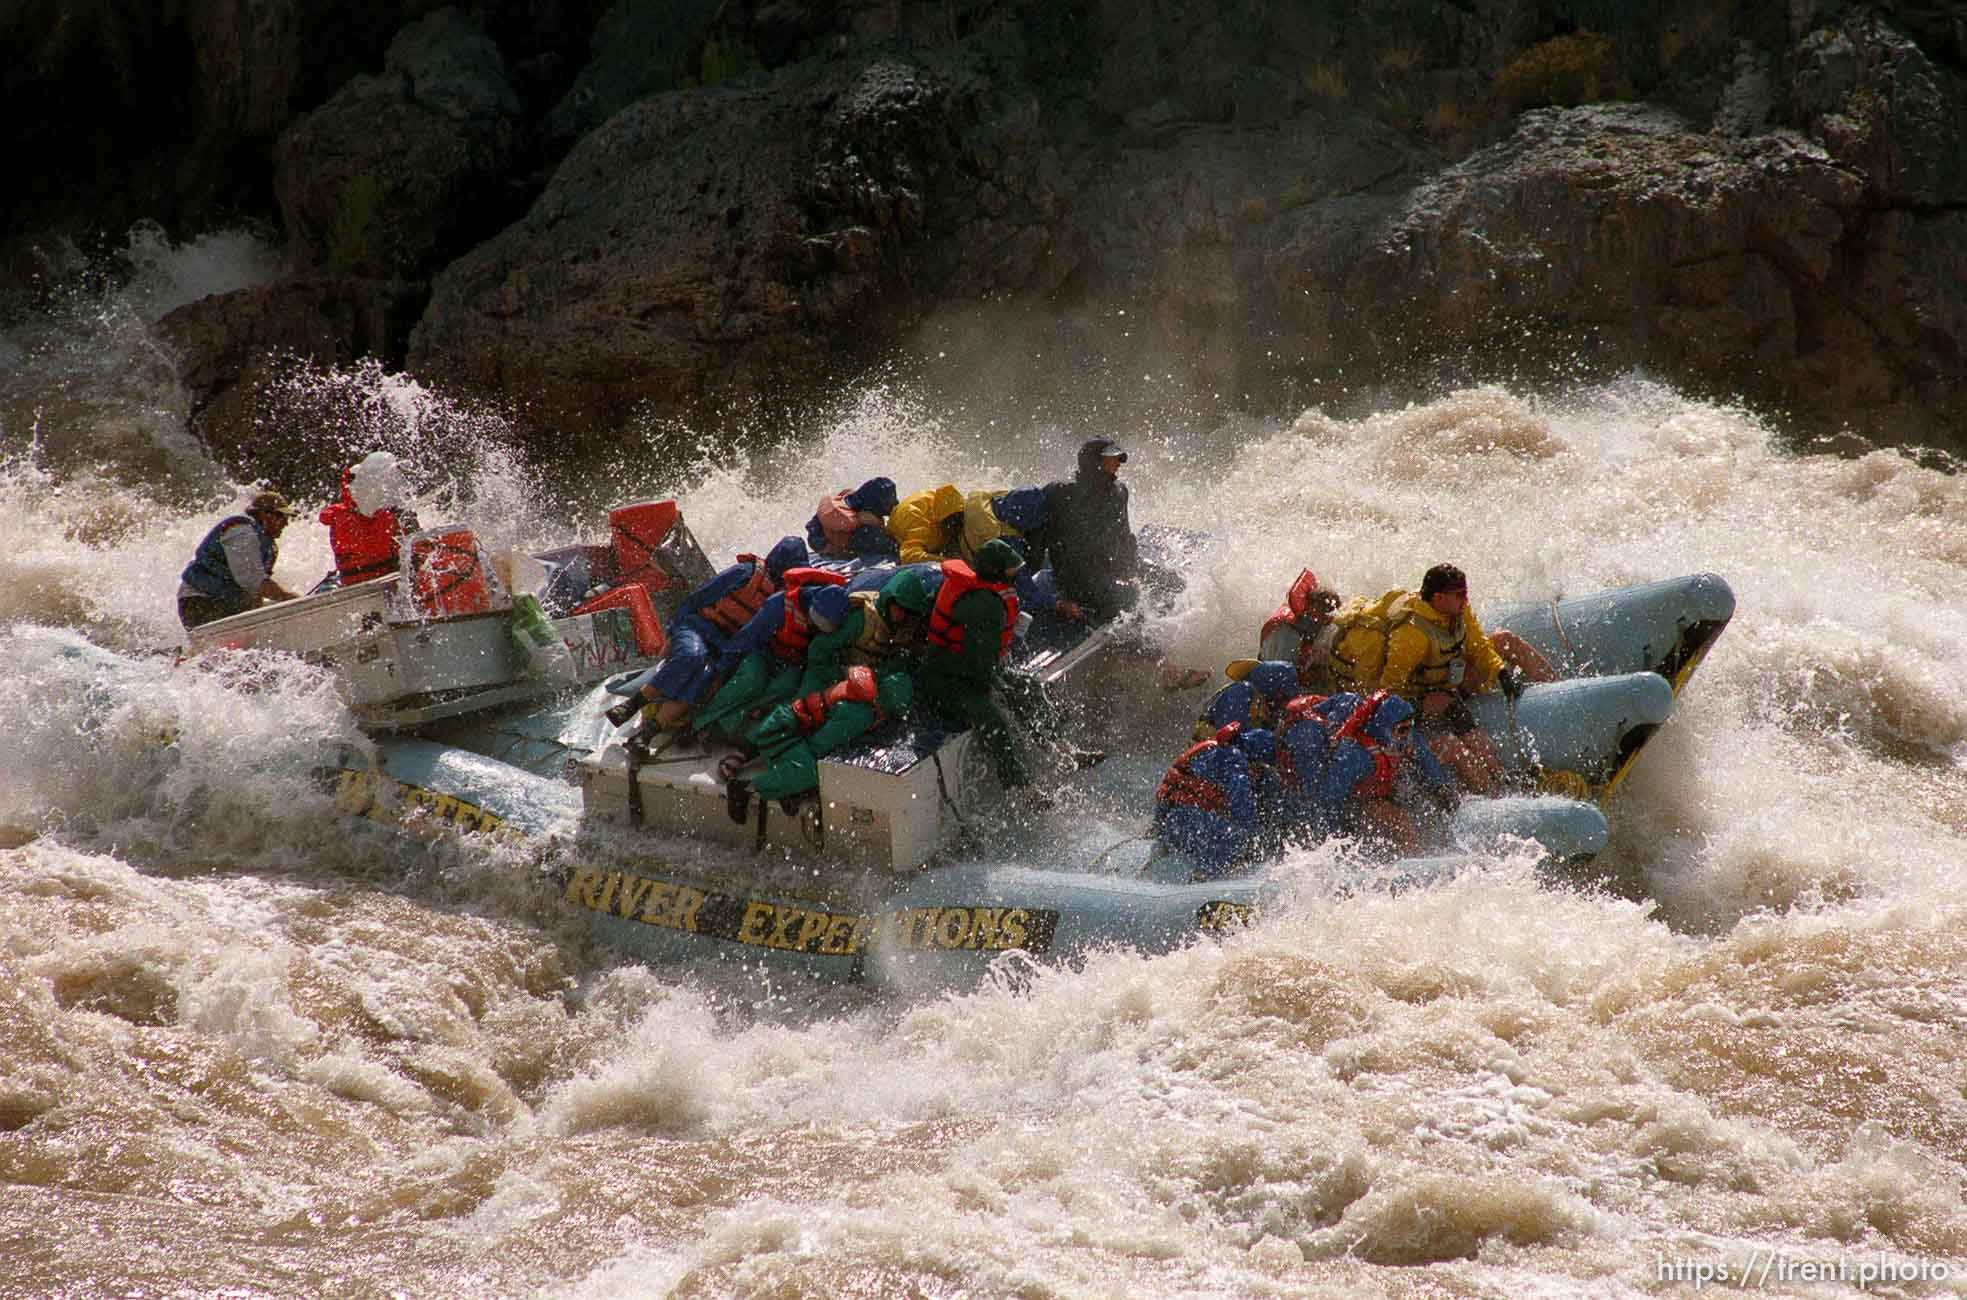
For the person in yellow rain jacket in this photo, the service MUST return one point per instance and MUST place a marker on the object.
(1429, 648)
(928, 525)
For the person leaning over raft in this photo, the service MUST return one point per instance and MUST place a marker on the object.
(769, 651)
(1429, 649)
(1255, 696)
(970, 628)
(1210, 804)
(232, 570)
(1096, 566)
(701, 631)
(857, 676)
(928, 525)
(854, 524)
(1371, 745)
(367, 526)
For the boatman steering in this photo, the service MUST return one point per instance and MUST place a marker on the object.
(232, 570)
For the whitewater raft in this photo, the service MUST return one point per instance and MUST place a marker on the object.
(445, 640)
(860, 884)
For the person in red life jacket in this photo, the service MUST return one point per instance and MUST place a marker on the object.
(1209, 805)
(1256, 692)
(1300, 633)
(700, 635)
(232, 570)
(852, 524)
(794, 736)
(1372, 749)
(857, 677)
(970, 628)
(770, 649)
(367, 526)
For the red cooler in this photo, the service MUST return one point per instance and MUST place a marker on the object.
(450, 574)
(639, 531)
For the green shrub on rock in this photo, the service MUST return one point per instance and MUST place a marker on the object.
(1564, 71)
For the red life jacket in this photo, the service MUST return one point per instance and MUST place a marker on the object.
(1306, 609)
(1184, 789)
(795, 629)
(734, 609)
(858, 686)
(959, 579)
(365, 546)
(1386, 763)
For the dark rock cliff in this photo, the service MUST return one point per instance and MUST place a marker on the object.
(662, 214)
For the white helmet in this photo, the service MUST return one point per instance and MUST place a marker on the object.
(377, 483)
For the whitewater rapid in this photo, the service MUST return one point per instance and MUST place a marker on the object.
(244, 1044)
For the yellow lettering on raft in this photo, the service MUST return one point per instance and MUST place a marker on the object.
(688, 902)
(661, 898)
(752, 929)
(953, 927)
(580, 886)
(634, 889)
(812, 928)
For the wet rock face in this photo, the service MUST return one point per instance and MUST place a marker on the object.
(399, 173)
(722, 245)
(663, 211)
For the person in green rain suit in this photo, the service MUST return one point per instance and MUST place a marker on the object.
(857, 676)
(969, 632)
(769, 651)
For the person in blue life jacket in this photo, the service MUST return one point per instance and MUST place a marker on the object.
(1304, 725)
(1094, 571)
(767, 657)
(232, 569)
(1374, 759)
(1210, 803)
(700, 634)
(1256, 691)
(857, 676)
(853, 523)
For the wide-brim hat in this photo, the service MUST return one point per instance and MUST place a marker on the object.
(270, 502)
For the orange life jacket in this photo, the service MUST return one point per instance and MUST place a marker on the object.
(1183, 788)
(795, 629)
(858, 686)
(959, 579)
(734, 609)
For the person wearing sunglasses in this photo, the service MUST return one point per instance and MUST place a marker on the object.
(1429, 648)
